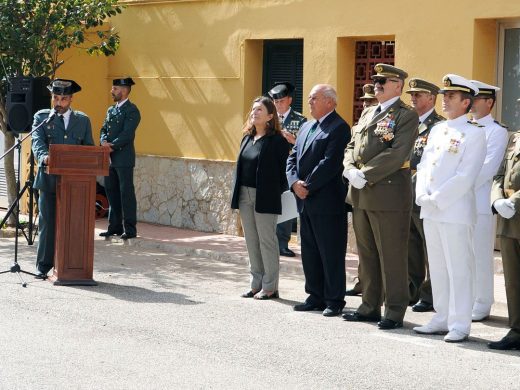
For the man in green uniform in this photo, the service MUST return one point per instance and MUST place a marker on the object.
(377, 165)
(422, 96)
(118, 134)
(505, 196)
(63, 126)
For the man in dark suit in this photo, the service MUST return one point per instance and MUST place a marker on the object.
(118, 134)
(422, 96)
(377, 165)
(68, 127)
(314, 175)
(290, 121)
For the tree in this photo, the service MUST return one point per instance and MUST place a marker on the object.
(33, 34)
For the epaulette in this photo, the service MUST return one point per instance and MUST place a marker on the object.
(298, 114)
(79, 113)
(439, 117)
(501, 124)
(404, 105)
(475, 124)
(44, 111)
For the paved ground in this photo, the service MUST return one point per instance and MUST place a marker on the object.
(161, 319)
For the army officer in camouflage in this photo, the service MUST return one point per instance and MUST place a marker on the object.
(118, 134)
(377, 166)
(66, 126)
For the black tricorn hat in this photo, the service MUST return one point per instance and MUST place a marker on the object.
(63, 87)
(281, 89)
(126, 82)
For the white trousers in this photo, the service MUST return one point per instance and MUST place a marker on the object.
(451, 261)
(483, 243)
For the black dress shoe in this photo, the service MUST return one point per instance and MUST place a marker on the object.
(126, 236)
(354, 316)
(386, 324)
(308, 307)
(507, 343)
(40, 275)
(287, 252)
(248, 294)
(332, 311)
(422, 306)
(109, 233)
(352, 292)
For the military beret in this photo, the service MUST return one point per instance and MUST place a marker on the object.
(126, 82)
(63, 87)
(386, 71)
(368, 90)
(485, 90)
(281, 89)
(420, 85)
(453, 82)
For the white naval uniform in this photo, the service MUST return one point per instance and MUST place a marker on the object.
(484, 234)
(451, 162)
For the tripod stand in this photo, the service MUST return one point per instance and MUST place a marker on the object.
(15, 206)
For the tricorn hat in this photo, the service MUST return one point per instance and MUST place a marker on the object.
(281, 89)
(126, 82)
(63, 87)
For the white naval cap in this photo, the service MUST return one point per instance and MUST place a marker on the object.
(453, 82)
(485, 89)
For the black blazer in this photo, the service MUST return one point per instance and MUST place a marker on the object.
(270, 175)
(320, 165)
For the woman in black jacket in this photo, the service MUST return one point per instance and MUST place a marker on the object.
(259, 182)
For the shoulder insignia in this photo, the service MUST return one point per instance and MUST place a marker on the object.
(44, 111)
(475, 124)
(404, 105)
(501, 124)
(80, 113)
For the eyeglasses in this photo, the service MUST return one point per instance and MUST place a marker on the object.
(383, 80)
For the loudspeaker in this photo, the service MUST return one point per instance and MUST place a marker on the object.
(25, 96)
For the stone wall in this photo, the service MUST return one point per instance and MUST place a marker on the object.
(185, 193)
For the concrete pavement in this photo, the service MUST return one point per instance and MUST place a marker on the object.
(167, 314)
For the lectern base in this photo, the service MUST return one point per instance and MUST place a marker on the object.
(72, 282)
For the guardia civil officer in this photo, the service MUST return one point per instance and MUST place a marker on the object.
(445, 190)
(377, 165)
(483, 236)
(68, 127)
(118, 134)
(506, 201)
(290, 121)
(423, 95)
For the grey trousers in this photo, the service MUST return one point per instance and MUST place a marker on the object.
(261, 241)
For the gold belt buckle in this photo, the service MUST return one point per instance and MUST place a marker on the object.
(509, 192)
(406, 165)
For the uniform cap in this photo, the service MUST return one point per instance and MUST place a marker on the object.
(485, 90)
(63, 87)
(420, 85)
(386, 71)
(368, 90)
(453, 82)
(281, 89)
(126, 82)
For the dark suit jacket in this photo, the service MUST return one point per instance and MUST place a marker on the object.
(119, 129)
(270, 175)
(320, 165)
(389, 187)
(79, 132)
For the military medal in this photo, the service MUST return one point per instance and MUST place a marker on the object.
(385, 129)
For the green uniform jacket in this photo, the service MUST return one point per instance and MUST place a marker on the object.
(380, 148)
(506, 184)
(119, 129)
(79, 132)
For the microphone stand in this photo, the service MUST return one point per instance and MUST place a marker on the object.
(15, 267)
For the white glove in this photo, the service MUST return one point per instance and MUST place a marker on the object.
(352, 173)
(505, 208)
(426, 201)
(358, 182)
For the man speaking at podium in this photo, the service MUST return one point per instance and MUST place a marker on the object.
(64, 126)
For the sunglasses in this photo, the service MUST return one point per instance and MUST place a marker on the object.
(383, 80)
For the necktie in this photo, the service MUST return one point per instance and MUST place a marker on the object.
(310, 133)
(281, 119)
(62, 121)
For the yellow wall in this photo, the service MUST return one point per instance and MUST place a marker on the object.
(198, 64)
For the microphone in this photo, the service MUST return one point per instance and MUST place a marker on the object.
(51, 116)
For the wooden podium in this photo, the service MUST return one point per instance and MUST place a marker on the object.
(76, 167)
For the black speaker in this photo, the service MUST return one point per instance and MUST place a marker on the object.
(25, 96)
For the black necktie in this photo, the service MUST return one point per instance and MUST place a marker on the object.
(377, 111)
(62, 121)
(310, 133)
